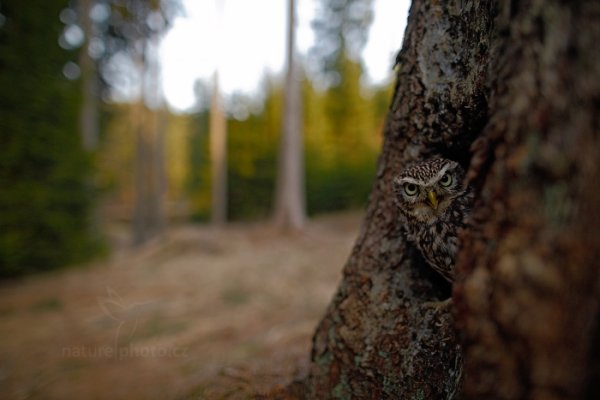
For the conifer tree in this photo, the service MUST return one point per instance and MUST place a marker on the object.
(44, 202)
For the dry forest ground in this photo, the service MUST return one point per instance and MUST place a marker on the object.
(204, 314)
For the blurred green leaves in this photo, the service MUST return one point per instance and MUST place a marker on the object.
(342, 139)
(44, 196)
(46, 184)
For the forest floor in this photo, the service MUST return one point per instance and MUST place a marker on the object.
(204, 314)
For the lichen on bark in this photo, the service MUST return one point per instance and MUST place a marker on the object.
(511, 90)
(379, 338)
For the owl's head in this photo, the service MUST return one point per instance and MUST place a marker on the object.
(425, 191)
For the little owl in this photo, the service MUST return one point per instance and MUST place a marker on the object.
(434, 204)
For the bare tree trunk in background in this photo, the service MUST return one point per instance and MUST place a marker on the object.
(89, 108)
(289, 191)
(88, 114)
(218, 155)
(149, 219)
(512, 91)
(141, 224)
(160, 172)
(159, 122)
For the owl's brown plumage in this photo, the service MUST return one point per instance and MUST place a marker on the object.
(434, 204)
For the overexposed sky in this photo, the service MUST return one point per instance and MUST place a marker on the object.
(246, 39)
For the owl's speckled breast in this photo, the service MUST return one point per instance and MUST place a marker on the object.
(438, 241)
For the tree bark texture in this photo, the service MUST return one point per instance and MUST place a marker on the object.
(511, 90)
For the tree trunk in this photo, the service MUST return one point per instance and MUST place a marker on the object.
(511, 90)
(149, 219)
(218, 156)
(289, 191)
(141, 224)
(89, 82)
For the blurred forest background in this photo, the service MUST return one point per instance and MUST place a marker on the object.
(78, 157)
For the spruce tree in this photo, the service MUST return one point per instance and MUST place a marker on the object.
(44, 198)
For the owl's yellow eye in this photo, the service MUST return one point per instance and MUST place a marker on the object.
(410, 189)
(446, 180)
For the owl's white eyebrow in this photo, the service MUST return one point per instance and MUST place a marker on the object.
(429, 182)
(410, 180)
(438, 175)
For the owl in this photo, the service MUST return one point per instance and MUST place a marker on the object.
(434, 203)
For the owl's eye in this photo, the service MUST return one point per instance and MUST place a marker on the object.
(446, 180)
(410, 189)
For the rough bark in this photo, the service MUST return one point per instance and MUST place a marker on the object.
(528, 304)
(511, 90)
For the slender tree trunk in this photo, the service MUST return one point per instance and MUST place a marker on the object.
(159, 121)
(149, 219)
(218, 155)
(289, 192)
(511, 90)
(141, 224)
(89, 108)
(160, 173)
(218, 133)
(141, 229)
(88, 114)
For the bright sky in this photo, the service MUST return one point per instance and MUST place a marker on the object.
(252, 42)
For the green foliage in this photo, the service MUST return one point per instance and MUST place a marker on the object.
(341, 27)
(44, 197)
(252, 151)
(115, 159)
(342, 130)
(342, 139)
(198, 181)
(345, 185)
(128, 25)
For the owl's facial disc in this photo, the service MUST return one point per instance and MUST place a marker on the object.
(425, 191)
(430, 204)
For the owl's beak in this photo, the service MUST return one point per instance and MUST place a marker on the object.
(433, 201)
